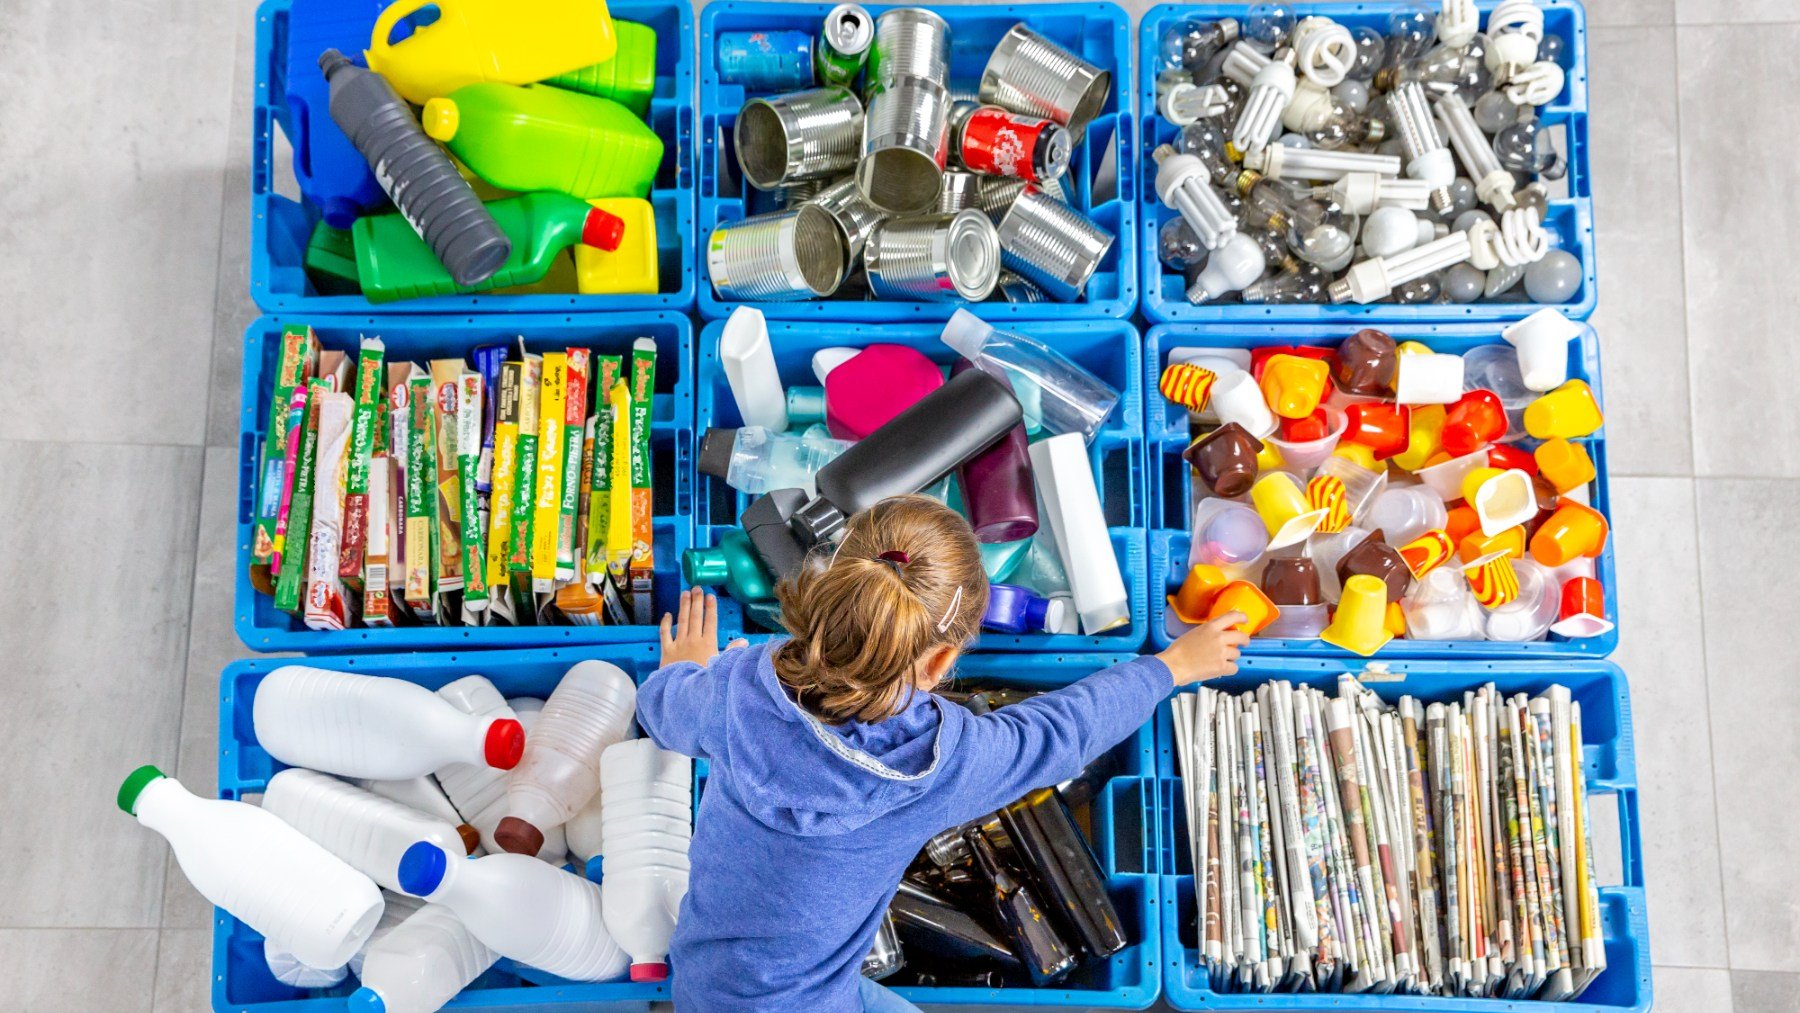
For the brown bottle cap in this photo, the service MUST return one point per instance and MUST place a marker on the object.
(471, 838)
(518, 837)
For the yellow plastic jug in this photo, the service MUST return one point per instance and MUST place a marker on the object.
(510, 41)
(632, 268)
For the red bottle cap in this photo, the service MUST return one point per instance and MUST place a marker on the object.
(505, 744)
(602, 229)
(650, 972)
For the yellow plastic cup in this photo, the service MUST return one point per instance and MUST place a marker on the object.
(1425, 429)
(1360, 623)
(1568, 412)
(1202, 585)
(1281, 504)
(1563, 464)
(1293, 386)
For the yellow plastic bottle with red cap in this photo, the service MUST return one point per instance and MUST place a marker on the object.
(509, 41)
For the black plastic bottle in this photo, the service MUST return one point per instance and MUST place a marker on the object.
(914, 449)
(1043, 952)
(417, 175)
(766, 521)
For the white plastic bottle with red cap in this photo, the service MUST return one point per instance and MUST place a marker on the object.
(274, 879)
(479, 791)
(360, 827)
(520, 908)
(419, 964)
(590, 709)
(368, 726)
(647, 822)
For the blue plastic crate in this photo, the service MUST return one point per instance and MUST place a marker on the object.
(280, 226)
(1570, 219)
(1098, 32)
(1166, 435)
(262, 627)
(1610, 767)
(1107, 347)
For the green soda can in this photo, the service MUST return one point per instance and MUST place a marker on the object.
(843, 44)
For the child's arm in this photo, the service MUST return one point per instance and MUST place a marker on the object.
(678, 704)
(1051, 737)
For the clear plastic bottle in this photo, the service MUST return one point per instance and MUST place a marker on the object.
(267, 874)
(590, 710)
(754, 459)
(479, 791)
(420, 964)
(1069, 399)
(360, 827)
(368, 726)
(521, 908)
(646, 820)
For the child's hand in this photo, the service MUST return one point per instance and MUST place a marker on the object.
(695, 636)
(1207, 651)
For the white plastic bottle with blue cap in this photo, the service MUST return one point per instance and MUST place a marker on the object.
(520, 908)
(420, 964)
(647, 823)
(360, 827)
(369, 726)
(266, 873)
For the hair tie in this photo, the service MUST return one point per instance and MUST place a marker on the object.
(896, 557)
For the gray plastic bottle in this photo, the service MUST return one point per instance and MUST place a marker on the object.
(417, 175)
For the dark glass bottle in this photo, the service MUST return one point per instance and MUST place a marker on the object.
(1063, 870)
(1043, 952)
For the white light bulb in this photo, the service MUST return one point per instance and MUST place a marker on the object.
(1377, 277)
(1184, 102)
(1535, 85)
(1231, 267)
(1493, 184)
(1426, 156)
(1243, 62)
(1269, 94)
(1390, 230)
(1518, 240)
(1458, 23)
(1514, 30)
(1182, 184)
(1308, 109)
(1363, 192)
(1323, 50)
(1283, 162)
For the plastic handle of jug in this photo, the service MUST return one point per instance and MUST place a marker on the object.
(384, 27)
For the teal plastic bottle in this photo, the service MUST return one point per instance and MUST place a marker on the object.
(733, 563)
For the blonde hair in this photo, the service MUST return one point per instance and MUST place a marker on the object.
(906, 578)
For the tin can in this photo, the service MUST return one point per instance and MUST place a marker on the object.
(995, 194)
(935, 258)
(910, 42)
(1051, 244)
(766, 61)
(843, 44)
(906, 141)
(781, 257)
(815, 134)
(990, 140)
(856, 217)
(1029, 74)
(958, 191)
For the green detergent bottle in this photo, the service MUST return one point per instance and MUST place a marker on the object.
(733, 563)
(629, 78)
(535, 137)
(392, 262)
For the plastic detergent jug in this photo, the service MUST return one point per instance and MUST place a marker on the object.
(420, 964)
(360, 827)
(535, 137)
(591, 709)
(512, 41)
(646, 819)
(477, 790)
(332, 174)
(367, 726)
(266, 873)
(394, 263)
(629, 78)
(633, 268)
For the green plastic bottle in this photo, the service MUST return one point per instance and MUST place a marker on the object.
(733, 563)
(392, 262)
(534, 137)
(331, 261)
(628, 78)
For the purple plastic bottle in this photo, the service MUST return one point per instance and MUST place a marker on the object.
(998, 494)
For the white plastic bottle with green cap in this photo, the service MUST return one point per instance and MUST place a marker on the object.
(520, 908)
(308, 901)
(477, 790)
(420, 964)
(590, 709)
(369, 726)
(360, 827)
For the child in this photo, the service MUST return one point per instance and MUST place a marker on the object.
(833, 763)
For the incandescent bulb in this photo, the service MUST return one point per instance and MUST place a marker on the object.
(1554, 279)
(1269, 25)
(1417, 291)
(1410, 32)
(1178, 246)
(1300, 283)
(1370, 48)
(1463, 283)
(1353, 93)
(1495, 112)
(1523, 147)
(1191, 43)
(1205, 139)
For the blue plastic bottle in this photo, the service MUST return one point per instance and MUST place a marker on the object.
(332, 175)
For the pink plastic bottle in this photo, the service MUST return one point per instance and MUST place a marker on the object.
(873, 386)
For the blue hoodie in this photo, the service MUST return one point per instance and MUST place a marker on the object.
(806, 828)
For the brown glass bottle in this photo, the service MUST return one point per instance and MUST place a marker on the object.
(1062, 870)
(1043, 952)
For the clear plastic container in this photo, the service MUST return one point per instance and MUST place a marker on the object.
(759, 459)
(479, 792)
(1058, 395)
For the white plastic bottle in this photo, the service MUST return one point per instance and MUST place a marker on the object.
(400, 907)
(479, 791)
(585, 829)
(590, 709)
(290, 970)
(647, 823)
(360, 827)
(420, 964)
(749, 364)
(266, 873)
(1071, 506)
(421, 793)
(521, 908)
(368, 726)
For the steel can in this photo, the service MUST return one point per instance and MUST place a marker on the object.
(785, 256)
(1051, 245)
(990, 140)
(766, 61)
(813, 134)
(936, 258)
(843, 44)
(1030, 74)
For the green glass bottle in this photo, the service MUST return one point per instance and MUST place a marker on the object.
(733, 563)
(629, 78)
(534, 137)
(392, 262)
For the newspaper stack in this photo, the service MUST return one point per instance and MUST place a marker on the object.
(1341, 844)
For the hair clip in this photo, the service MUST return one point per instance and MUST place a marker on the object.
(950, 611)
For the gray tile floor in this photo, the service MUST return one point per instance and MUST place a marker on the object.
(124, 241)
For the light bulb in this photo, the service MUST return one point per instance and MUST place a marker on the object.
(1550, 48)
(1494, 112)
(1274, 248)
(1362, 192)
(1318, 229)
(1182, 185)
(1501, 280)
(1297, 284)
(1324, 51)
(1205, 140)
(1232, 266)
(1534, 195)
(1269, 25)
(1345, 127)
(1281, 162)
(1554, 279)
(1354, 94)
(1177, 245)
(1370, 48)
(1309, 107)
(1243, 62)
(1269, 95)
(1191, 43)
(1426, 156)
(1523, 147)
(1493, 184)
(1514, 29)
(1519, 238)
(1410, 31)
(1536, 84)
(1390, 230)
(1418, 290)
(1377, 277)
(1183, 103)
(1463, 283)
(1462, 198)
(1446, 70)
(1458, 22)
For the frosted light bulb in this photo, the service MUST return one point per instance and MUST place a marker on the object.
(1297, 284)
(1463, 283)
(1493, 185)
(1184, 102)
(1523, 147)
(1177, 246)
(1269, 94)
(1536, 84)
(1279, 162)
(1390, 230)
(1370, 48)
(1554, 279)
(1377, 277)
(1324, 50)
(1362, 192)
(1292, 140)
(1410, 32)
(1514, 29)
(1462, 198)
(1501, 280)
(1426, 156)
(1353, 94)
(1519, 238)
(1232, 266)
(1458, 22)
(1494, 112)
(1205, 139)
(1182, 184)
(1191, 43)
(1243, 62)
(1269, 25)
(1308, 109)
(1466, 221)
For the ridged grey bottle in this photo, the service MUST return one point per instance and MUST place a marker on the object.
(417, 175)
